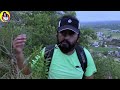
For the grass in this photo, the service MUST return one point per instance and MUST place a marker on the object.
(102, 49)
(39, 70)
(114, 35)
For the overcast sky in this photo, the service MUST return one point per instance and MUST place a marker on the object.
(88, 16)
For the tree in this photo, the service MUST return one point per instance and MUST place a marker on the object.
(40, 27)
(86, 37)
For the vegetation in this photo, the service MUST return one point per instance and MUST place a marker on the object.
(40, 28)
(107, 68)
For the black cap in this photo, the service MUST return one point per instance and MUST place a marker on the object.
(70, 23)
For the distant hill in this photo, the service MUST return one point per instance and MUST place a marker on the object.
(102, 24)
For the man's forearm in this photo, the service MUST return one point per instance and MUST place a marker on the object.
(21, 65)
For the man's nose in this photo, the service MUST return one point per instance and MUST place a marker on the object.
(67, 36)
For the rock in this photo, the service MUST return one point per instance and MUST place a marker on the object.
(95, 44)
(110, 52)
(104, 56)
(116, 59)
(105, 45)
(118, 47)
(117, 53)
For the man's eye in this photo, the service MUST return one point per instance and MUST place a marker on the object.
(71, 33)
(64, 33)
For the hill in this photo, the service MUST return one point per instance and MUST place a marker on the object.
(113, 25)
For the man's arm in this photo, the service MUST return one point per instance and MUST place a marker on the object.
(21, 65)
(91, 68)
(89, 77)
(18, 45)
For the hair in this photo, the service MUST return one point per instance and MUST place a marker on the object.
(5, 13)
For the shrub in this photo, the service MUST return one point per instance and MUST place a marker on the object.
(107, 68)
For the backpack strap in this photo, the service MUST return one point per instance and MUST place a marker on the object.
(82, 57)
(49, 50)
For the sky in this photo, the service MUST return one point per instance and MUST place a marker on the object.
(91, 16)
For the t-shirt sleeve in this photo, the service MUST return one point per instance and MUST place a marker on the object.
(36, 57)
(91, 68)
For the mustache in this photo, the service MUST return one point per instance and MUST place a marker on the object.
(64, 41)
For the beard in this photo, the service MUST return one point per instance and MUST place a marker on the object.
(65, 46)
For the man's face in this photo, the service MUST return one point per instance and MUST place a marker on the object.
(67, 40)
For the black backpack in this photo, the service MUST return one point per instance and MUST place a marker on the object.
(49, 50)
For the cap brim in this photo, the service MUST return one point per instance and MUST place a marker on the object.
(68, 27)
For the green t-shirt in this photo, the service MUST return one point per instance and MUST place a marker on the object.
(64, 66)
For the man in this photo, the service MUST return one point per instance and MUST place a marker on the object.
(64, 59)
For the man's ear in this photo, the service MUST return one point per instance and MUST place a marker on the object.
(78, 40)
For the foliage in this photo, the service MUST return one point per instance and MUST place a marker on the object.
(86, 37)
(38, 64)
(40, 28)
(107, 68)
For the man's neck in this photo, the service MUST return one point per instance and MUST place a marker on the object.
(71, 52)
